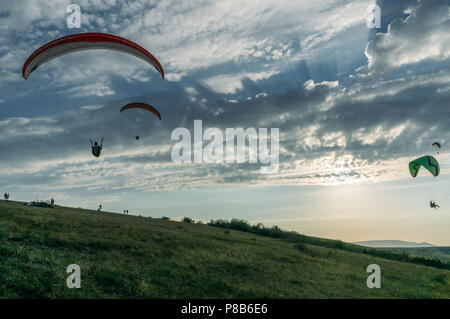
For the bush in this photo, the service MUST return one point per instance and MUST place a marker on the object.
(240, 224)
(188, 220)
(299, 239)
(40, 203)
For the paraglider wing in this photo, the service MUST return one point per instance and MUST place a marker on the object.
(437, 144)
(429, 162)
(86, 41)
(144, 106)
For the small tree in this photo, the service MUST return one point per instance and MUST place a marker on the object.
(188, 220)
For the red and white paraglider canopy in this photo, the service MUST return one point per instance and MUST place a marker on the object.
(86, 41)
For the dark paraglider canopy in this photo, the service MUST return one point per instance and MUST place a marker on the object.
(437, 144)
(86, 41)
(143, 106)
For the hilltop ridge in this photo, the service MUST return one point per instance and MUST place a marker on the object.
(392, 244)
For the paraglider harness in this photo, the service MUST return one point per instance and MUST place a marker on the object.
(96, 149)
(433, 205)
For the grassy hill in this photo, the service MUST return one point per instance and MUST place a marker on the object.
(134, 257)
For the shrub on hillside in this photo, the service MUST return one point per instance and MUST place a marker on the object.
(39, 203)
(188, 220)
(292, 236)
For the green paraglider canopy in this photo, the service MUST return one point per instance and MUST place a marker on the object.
(429, 162)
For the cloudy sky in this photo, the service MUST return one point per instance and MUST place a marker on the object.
(353, 106)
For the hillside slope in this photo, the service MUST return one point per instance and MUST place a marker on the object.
(131, 257)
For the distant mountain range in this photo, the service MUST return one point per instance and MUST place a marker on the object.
(392, 244)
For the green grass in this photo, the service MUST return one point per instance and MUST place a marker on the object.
(131, 257)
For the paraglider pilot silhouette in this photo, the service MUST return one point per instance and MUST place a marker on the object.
(96, 149)
(433, 204)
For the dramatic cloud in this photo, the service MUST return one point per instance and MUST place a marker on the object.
(422, 37)
(345, 114)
